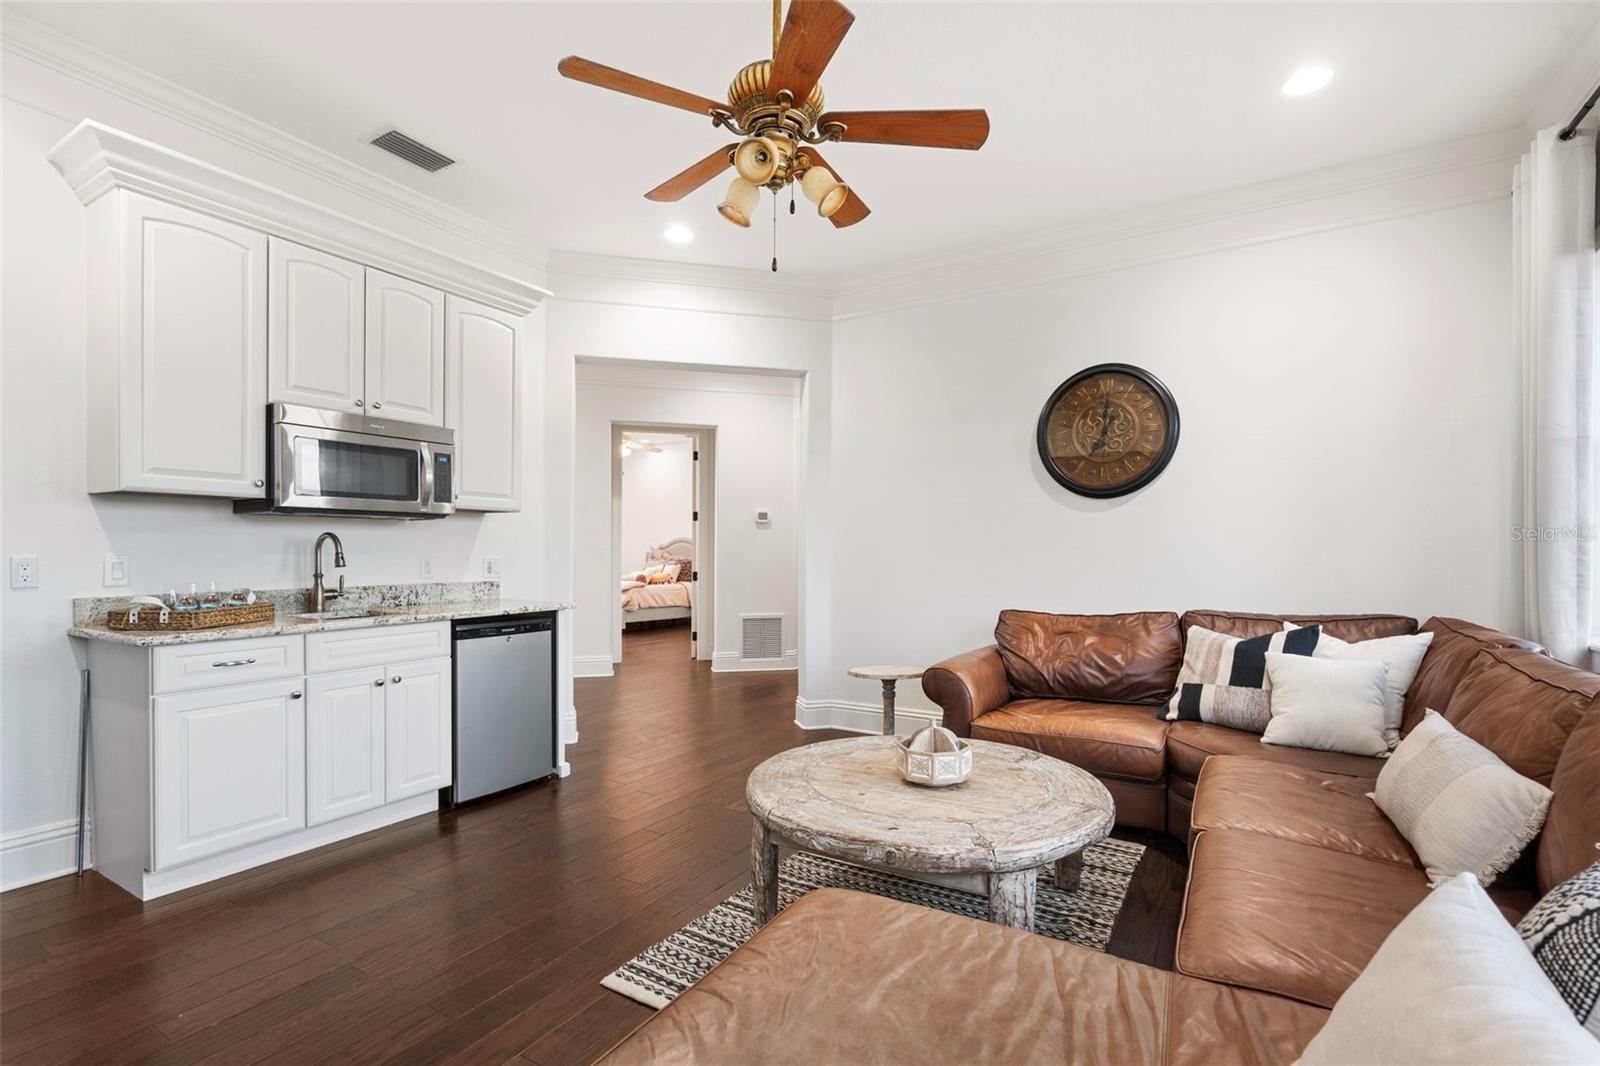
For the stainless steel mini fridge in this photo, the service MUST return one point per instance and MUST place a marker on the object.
(505, 703)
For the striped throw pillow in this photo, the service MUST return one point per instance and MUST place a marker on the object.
(1224, 679)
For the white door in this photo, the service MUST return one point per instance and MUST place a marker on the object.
(483, 404)
(192, 406)
(417, 727)
(694, 539)
(317, 335)
(345, 753)
(405, 349)
(229, 768)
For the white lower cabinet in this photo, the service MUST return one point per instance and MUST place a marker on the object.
(417, 728)
(344, 744)
(229, 768)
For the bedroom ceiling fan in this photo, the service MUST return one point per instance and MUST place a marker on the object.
(776, 106)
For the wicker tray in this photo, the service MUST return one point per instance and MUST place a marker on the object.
(214, 618)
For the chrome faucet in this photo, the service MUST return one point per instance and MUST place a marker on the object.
(319, 595)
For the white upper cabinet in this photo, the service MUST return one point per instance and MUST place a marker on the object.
(316, 334)
(405, 349)
(177, 350)
(483, 403)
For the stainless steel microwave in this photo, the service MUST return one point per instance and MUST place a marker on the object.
(329, 462)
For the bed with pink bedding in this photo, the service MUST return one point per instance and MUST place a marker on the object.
(646, 601)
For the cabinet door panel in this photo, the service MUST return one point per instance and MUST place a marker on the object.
(193, 353)
(229, 769)
(345, 754)
(316, 342)
(417, 701)
(405, 349)
(483, 404)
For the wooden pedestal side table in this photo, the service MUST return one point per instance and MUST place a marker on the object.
(888, 675)
(1018, 812)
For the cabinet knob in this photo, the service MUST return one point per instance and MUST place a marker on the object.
(376, 404)
(379, 682)
(397, 679)
(296, 695)
(359, 403)
(260, 483)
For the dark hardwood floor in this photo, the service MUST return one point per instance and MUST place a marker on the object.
(474, 936)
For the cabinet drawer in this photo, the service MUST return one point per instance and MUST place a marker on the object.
(184, 667)
(347, 649)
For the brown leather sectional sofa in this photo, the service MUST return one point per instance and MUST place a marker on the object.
(1295, 876)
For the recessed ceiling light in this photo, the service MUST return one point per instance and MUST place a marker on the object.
(1307, 79)
(678, 233)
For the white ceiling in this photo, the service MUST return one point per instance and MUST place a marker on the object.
(1096, 109)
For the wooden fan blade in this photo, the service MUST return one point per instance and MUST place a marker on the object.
(811, 34)
(855, 209)
(924, 129)
(620, 81)
(680, 185)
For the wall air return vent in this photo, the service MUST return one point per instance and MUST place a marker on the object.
(762, 636)
(413, 152)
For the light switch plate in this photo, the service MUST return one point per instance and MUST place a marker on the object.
(24, 571)
(116, 571)
(491, 566)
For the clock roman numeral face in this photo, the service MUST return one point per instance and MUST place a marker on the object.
(1107, 431)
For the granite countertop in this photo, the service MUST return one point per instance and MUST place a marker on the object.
(392, 605)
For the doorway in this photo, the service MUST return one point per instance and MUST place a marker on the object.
(662, 552)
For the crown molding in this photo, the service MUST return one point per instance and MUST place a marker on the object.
(1433, 178)
(95, 160)
(32, 40)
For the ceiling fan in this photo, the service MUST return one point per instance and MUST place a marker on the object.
(776, 106)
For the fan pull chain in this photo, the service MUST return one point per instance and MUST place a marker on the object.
(774, 234)
(791, 197)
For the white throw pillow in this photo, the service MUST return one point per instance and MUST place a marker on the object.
(1453, 983)
(1457, 804)
(1403, 655)
(1326, 704)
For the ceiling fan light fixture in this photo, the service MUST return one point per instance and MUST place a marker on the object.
(739, 206)
(824, 190)
(757, 159)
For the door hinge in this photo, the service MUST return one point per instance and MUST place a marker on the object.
(696, 516)
(697, 454)
(694, 575)
(694, 635)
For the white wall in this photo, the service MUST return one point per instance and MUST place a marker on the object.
(754, 569)
(657, 496)
(48, 513)
(1349, 411)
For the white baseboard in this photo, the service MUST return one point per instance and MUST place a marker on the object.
(591, 666)
(730, 662)
(35, 855)
(854, 717)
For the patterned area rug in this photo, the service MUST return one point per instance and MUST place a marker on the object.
(661, 973)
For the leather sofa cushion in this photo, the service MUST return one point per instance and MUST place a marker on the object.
(1522, 706)
(842, 977)
(1293, 803)
(1350, 627)
(1119, 658)
(1288, 918)
(1189, 744)
(1455, 644)
(1572, 828)
(1106, 739)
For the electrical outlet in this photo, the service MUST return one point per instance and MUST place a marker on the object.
(116, 571)
(491, 566)
(24, 571)
(427, 566)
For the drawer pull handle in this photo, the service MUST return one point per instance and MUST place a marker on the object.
(296, 695)
(379, 682)
(234, 662)
(397, 679)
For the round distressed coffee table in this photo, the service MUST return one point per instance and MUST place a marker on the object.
(1019, 811)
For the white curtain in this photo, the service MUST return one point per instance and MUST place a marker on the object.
(1553, 218)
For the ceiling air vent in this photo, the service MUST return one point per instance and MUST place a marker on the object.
(414, 152)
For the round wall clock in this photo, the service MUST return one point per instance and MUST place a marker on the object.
(1108, 430)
